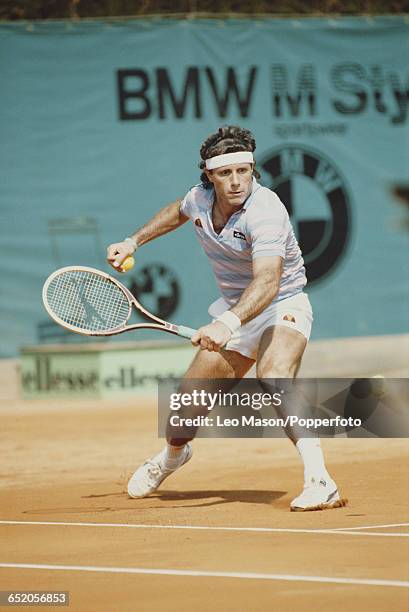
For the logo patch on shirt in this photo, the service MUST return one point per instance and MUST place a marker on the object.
(237, 234)
(289, 317)
(198, 223)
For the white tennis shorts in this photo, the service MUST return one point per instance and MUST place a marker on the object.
(294, 312)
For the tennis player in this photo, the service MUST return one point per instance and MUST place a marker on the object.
(262, 315)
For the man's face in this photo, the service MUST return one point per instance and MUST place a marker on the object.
(232, 183)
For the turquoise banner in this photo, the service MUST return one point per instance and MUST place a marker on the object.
(101, 125)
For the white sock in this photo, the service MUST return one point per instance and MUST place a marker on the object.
(171, 456)
(311, 454)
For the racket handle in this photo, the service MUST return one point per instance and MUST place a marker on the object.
(185, 332)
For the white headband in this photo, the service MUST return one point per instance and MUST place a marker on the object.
(240, 157)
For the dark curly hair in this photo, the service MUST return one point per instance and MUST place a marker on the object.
(227, 139)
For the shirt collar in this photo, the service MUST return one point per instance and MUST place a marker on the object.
(249, 200)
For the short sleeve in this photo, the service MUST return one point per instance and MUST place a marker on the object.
(187, 203)
(268, 226)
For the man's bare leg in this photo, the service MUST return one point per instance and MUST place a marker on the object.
(280, 354)
(223, 364)
(210, 366)
(228, 365)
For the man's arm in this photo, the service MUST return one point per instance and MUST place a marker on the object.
(166, 220)
(262, 289)
(260, 292)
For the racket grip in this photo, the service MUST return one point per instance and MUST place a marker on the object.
(185, 332)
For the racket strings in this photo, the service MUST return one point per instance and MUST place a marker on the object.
(88, 301)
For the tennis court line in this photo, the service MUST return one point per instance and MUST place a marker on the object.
(338, 531)
(206, 574)
(374, 526)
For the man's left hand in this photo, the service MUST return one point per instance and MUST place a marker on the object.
(212, 337)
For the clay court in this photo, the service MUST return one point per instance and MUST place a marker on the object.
(121, 122)
(218, 535)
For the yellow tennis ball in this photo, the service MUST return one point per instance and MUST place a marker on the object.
(127, 264)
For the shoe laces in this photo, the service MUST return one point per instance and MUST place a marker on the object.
(153, 469)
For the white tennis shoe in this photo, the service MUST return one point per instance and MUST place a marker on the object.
(151, 474)
(318, 494)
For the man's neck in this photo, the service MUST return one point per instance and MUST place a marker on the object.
(224, 209)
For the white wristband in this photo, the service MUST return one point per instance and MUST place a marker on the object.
(230, 320)
(133, 242)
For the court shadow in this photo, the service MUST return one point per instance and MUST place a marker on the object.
(116, 494)
(216, 497)
(202, 498)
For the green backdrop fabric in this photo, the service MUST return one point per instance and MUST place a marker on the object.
(101, 125)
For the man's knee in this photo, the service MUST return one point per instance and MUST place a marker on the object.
(276, 369)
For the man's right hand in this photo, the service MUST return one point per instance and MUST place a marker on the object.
(117, 252)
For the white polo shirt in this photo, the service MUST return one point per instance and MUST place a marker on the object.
(261, 228)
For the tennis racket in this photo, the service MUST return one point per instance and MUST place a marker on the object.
(93, 303)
